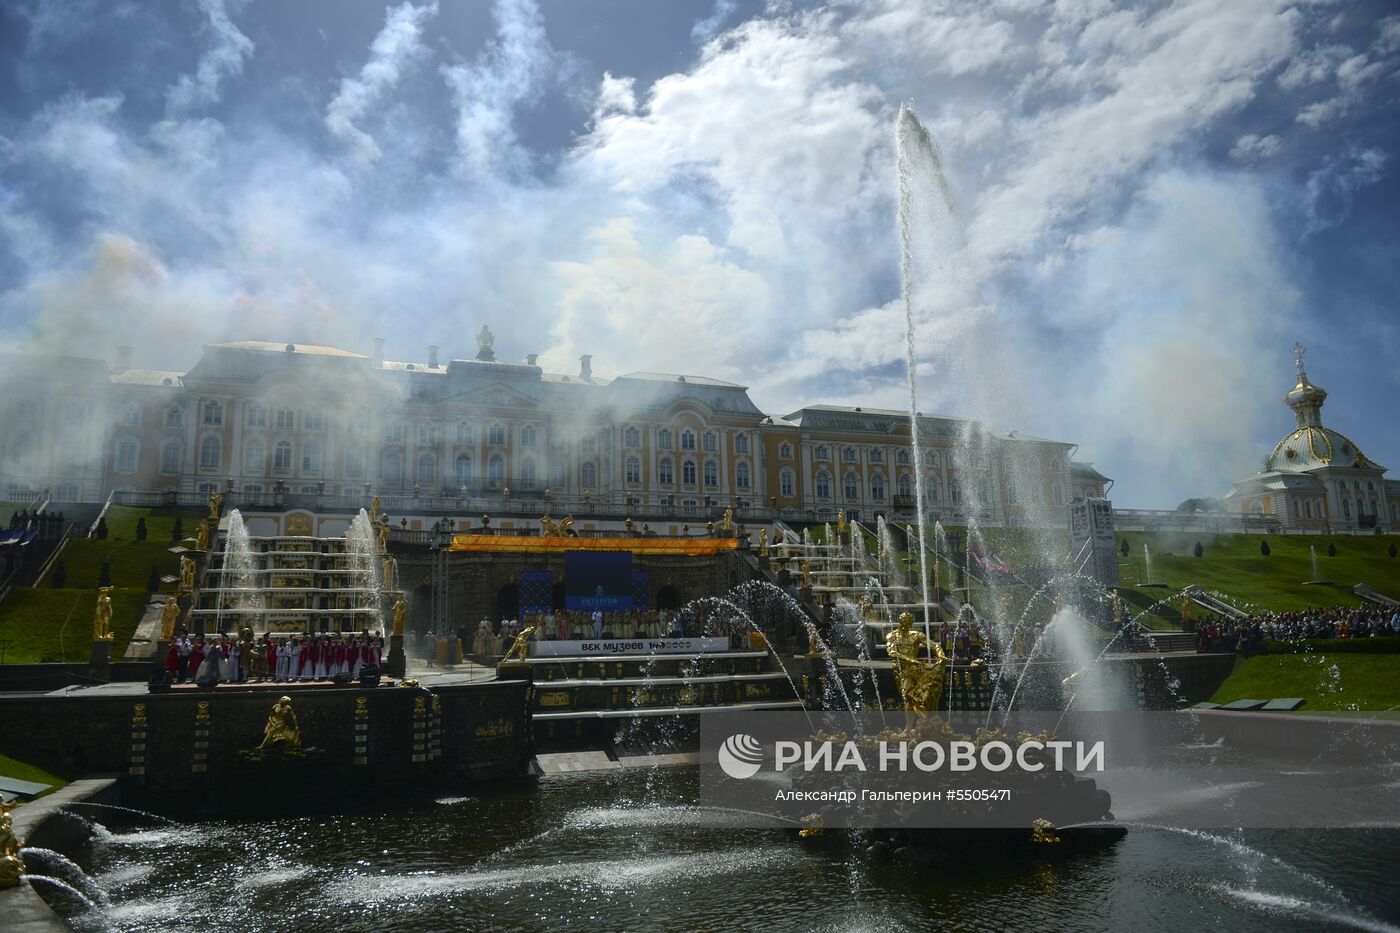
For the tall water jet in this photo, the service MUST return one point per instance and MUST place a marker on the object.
(361, 544)
(238, 566)
(1147, 565)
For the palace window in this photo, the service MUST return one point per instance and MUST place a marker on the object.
(463, 470)
(631, 437)
(785, 451)
(466, 434)
(427, 469)
(311, 420)
(905, 486)
(877, 487)
(285, 419)
(282, 456)
(633, 472)
(1346, 508)
(588, 444)
(852, 486)
(1055, 465)
(710, 441)
(711, 473)
(527, 473)
(688, 472)
(206, 489)
(877, 455)
(174, 416)
(849, 455)
(170, 457)
(742, 476)
(213, 413)
(821, 453)
(931, 489)
(528, 436)
(823, 485)
(254, 456)
(130, 415)
(391, 467)
(955, 490)
(687, 440)
(496, 472)
(665, 472)
(787, 486)
(211, 453)
(311, 457)
(588, 476)
(496, 435)
(256, 416)
(427, 434)
(663, 439)
(354, 462)
(558, 472)
(128, 453)
(741, 443)
(1059, 494)
(393, 433)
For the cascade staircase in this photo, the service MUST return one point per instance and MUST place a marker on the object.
(1371, 596)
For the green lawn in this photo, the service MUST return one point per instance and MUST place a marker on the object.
(56, 625)
(130, 560)
(1327, 681)
(13, 767)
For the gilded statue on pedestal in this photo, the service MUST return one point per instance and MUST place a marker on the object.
(383, 537)
(521, 646)
(215, 500)
(374, 509)
(920, 680)
(282, 727)
(727, 523)
(763, 542)
(11, 865)
(169, 615)
(388, 572)
(400, 610)
(806, 575)
(201, 536)
(102, 618)
(841, 523)
(187, 573)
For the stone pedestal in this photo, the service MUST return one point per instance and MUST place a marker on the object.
(100, 660)
(515, 670)
(397, 663)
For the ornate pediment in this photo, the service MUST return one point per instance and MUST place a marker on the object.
(498, 395)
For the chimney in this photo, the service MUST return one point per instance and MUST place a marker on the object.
(122, 360)
(585, 367)
(530, 358)
(378, 359)
(432, 356)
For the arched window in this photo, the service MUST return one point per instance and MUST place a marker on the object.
(311, 457)
(1346, 508)
(463, 470)
(1297, 509)
(174, 416)
(710, 445)
(496, 435)
(354, 462)
(742, 476)
(852, 486)
(787, 485)
(666, 472)
(785, 451)
(823, 485)
(282, 455)
(527, 473)
(931, 489)
(631, 437)
(254, 456)
(741, 443)
(170, 456)
(1256, 508)
(955, 490)
(1059, 494)
(128, 454)
(466, 434)
(931, 458)
(391, 467)
(633, 473)
(588, 475)
(558, 472)
(687, 439)
(211, 453)
(528, 435)
(427, 469)
(663, 439)
(213, 413)
(711, 473)
(688, 473)
(905, 486)
(877, 487)
(496, 472)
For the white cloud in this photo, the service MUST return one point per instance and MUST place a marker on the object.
(223, 58)
(1250, 147)
(706, 29)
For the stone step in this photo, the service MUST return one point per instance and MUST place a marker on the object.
(646, 712)
(659, 681)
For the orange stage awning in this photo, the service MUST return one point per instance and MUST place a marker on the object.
(678, 547)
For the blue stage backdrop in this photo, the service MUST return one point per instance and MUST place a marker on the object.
(641, 590)
(536, 591)
(600, 580)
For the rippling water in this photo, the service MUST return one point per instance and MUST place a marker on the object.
(598, 851)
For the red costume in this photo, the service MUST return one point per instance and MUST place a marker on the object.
(196, 657)
(306, 663)
(172, 659)
(270, 649)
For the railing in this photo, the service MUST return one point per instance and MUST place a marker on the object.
(92, 529)
(1150, 519)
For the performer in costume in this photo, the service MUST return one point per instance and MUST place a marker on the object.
(196, 656)
(211, 668)
(376, 651)
(283, 655)
(182, 641)
(342, 659)
(306, 663)
(172, 660)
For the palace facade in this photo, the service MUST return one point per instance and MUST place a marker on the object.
(1317, 479)
(252, 417)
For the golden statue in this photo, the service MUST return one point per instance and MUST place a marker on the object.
(215, 500)
(763, 542)
(727, 523)
(201, 536)
(383, 537)
(388, 571)
(840, 523)
(169, 615)
(806, 575)
(187, 573)
(102, 618)
(282, 727)
(520, 646)
(564, 526)
(400, 610)
(548, 527)
(11, 865)
(920, 680)
(374, 509)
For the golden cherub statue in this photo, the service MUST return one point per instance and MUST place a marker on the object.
(806, 575)
(11, 865)
(187, 572)
(520, 646)
(400, 610)
(282, 726)
(727, 523)
(216, 499)
(920, 680)
(383, 530)
(169, 615)
(102, 618)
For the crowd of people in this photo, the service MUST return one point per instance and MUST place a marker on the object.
(241, 658)
(1248, 635)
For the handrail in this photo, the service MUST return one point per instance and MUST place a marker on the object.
(53, 556)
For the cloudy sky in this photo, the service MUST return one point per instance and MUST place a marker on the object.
(1151, 201)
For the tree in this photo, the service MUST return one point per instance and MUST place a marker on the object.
(1205, 504)
(1124, 548)
(1331, 549)
(1264, 548)
(59, 576)
(141, 528)
(104, 576)
(153, 579)
(102, 528)
(178, 531)
(1198, 550)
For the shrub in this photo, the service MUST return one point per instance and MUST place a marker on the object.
(1198, 550)
(102, 528)
(104, 576)
(153, 579)
(1264, 548)
(1392, 550)
(59, 577)
(1124, 548)
(141, 528)
(178, 531)
(1331, 549)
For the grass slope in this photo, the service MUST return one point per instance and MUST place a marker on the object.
(14, 768)
(1327, 681)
